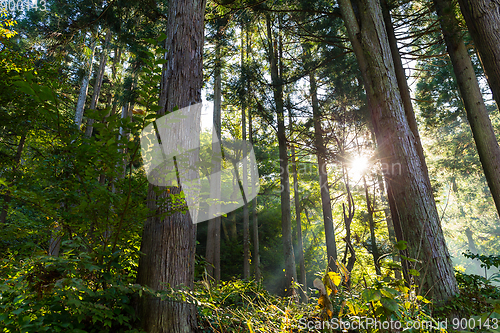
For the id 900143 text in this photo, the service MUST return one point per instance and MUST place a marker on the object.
(22, 5)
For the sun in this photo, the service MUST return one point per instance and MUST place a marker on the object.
(358, 166)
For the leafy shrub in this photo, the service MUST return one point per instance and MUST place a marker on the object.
(72, 293)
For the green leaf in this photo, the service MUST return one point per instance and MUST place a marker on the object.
(46, 94)
(25, 87)
(162, 37)
(389, 304)
(371, 295)
(401, 245)
(414, 272)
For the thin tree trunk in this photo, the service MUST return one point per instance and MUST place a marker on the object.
(326, 205)
(246, 217)
(300, 245)
(98, 82)
(255, 222)
(213, 236)
(80, 105)
(168, 242)
(403, 169)
(483, 21)
(482, 130)
(369, 209)
(286, 224)
(390, 224)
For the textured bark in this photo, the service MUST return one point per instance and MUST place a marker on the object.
(80, 104)
(98, 82)
(326, 205)
(404, 172)
(286, 224)
(168, 242)
(213, 236)
(483, 20)
(403, 83)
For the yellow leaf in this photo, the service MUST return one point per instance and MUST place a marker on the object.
(336, 278)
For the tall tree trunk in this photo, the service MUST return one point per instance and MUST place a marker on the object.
(391, 230)
(482, 130)
(483, 21)
(402, 82)
(286, 224)
(214, 225)
(326, 205)
(80, 104)
(246, 217)
(371, 222)
(300, 245)
(255, 222)
(168, 242)
(404, 172)
(98, 82)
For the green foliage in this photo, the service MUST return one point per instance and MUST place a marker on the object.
(76, 292)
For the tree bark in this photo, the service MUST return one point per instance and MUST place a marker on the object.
(403, 83)
(286, 224)
(98, 82)
(168, 242)
(371, 222)
(483, 20)
(300, 245)
(214, 225)
(255, 222)
(80, 104)
(326, 205)
(482, 130)
(246, 217)
(403, 169)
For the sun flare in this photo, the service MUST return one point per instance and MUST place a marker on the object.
(359, 165)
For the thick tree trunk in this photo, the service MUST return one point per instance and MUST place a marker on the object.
(482, 130)
(403, 83)
(168, 242)
(403, 169)
(286, 224)
(80, 104)
(213, 236)
(326, 205)
(98, 82)
(483, 21)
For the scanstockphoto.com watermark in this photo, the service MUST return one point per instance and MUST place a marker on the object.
(390, 169)
(365, 323)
